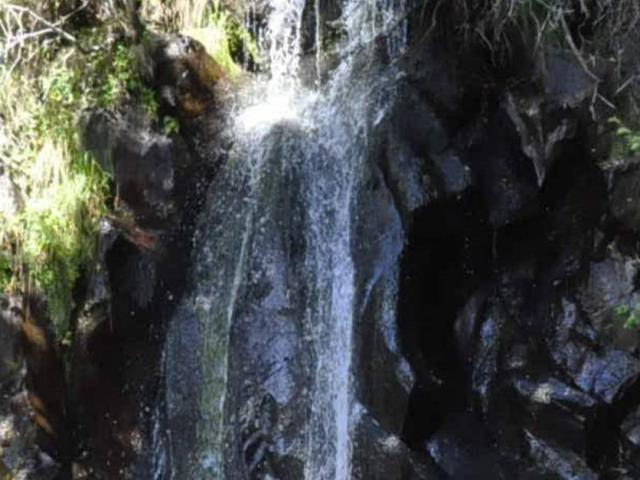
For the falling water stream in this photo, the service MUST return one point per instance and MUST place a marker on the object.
(293, 124)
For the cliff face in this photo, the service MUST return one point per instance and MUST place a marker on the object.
(518, 273)
(427, 267)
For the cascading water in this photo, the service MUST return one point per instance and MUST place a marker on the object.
(259, 358)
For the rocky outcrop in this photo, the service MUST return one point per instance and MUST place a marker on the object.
(520, 270)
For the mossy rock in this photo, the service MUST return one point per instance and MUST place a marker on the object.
(187, 76)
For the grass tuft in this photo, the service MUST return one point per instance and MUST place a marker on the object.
(51, 240)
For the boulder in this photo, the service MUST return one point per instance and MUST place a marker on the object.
(505, 176)
(146, 168)
(462, 448)
(557, 461)
(609, 298)
(187, 77)
(630, 427)
(378, 455)
(603, 372)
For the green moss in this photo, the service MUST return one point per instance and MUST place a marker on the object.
(242, 45)
(226, 41)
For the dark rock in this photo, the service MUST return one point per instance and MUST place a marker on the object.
(566, 83)
(505, 177)
(435, 71)
(384, 377)
(99, 131)
(263, 354)
(541, 142)
(10, 320)
(630, 427)
(187, 77)
(610, 287)
(572, 213)
(380, 229)
(149, 169)
(46, 382)
(566, 465)
(418, 134)
(485, 362)
(524, 113)
(145, 172)
(517, 357)
(623, 195)
(466, 327)
(17, 433)
(454, 176)
(462, 448)
(418, 125)
(600, 372)
(552, 390)
(403, 172)
(28, 414)
(20, 456)
(143, 257)
(379, 455)
(557, 412)
(606, 375)
(320, 23)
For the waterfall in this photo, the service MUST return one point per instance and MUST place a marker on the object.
(274, 283)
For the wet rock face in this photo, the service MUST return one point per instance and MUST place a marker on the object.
(143, 256)
(244, 317)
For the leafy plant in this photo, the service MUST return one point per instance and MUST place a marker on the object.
(630, 317)
(630, 137)
(120, 78)
(149, 102)
(170, 126)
